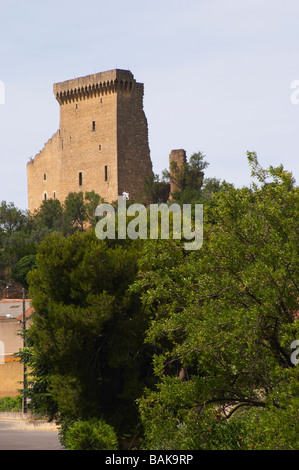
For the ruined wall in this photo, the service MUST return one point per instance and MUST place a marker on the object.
(44, 172)
(177, 157)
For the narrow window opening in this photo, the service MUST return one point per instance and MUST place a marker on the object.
(45, 177)
(100, 147)
(106, 172)
(45, 196)
(54, 195)
(80, 179)
(93, 125)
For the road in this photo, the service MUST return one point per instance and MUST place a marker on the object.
(15, 435)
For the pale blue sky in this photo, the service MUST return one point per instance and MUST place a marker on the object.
(217, 77)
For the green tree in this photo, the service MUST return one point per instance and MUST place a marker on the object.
(156, 190)
(79, 210)
(12, 219)
(92, 200)
(75, 210)
(21, 233)
(210, 187)
(188, 178)
(223, 320)
(49, 215)
(90, 435)
(192, 186)
(22, 268)
(87, 354)
(15, 240)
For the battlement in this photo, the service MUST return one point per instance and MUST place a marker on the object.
(94, 85)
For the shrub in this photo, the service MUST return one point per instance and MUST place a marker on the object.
(92, 434)
(11, 404)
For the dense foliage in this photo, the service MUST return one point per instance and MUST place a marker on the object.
(12, 404)
(189, 180)
(173, 349)
(21, 232)
(88, 355)
(224, 319)
(92, 434)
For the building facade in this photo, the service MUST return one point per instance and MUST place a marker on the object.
(11, 341)
(101, 144)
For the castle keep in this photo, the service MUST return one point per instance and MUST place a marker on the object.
(101, 144)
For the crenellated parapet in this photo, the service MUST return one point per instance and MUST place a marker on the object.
(94, 85)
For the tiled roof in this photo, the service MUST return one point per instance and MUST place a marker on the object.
(13, 308)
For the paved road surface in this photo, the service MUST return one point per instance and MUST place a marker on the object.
(15, 436)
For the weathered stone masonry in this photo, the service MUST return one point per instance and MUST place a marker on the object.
(179, 158)
(102, 142)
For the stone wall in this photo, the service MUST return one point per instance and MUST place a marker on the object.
(134, 163)
(11, 369)
(11, 377)
(43, 173)
(177, 157)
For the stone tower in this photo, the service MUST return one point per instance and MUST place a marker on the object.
(102, 142)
